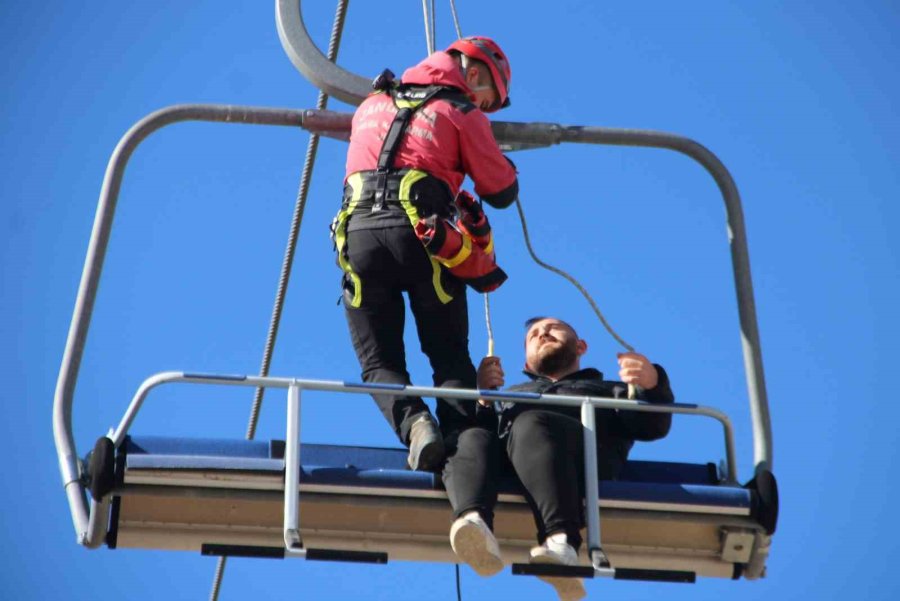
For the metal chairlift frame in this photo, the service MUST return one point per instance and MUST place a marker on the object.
(90, 519)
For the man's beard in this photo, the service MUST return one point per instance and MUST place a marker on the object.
(555, 359)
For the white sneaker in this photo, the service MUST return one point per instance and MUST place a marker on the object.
(474, 543)
(557, 551)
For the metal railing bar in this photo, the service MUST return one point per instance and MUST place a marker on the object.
(426, 391)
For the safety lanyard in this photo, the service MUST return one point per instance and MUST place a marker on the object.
(395, 134)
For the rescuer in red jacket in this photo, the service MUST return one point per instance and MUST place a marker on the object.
(412, 144)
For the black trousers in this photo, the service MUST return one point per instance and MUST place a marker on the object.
(390, 261)
(546, 451)
(475, 461)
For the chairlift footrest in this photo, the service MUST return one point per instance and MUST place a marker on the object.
(242, 551)
(655, 575)
(378, 557)
(549, 569)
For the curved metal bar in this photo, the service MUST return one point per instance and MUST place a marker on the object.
(309, 60)
(138, 400)
(551, 133)
(97, 523)
(567, 400)
(69, 463)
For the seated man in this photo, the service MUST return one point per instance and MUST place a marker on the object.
(545, 445)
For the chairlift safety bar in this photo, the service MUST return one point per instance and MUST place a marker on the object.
(292, 539)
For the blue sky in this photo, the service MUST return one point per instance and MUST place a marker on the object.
(798, 99)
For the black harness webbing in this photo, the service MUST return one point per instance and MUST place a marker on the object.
(395, 134)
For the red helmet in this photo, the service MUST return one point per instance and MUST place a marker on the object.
(488, 52)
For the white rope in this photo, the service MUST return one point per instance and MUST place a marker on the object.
(487, 305)
(433, 28)
(632, 393)
(487, 320)
(571, 279)
(429, 37)
(455, 19)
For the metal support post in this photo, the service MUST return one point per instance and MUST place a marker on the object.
(292, 540)
(592, 488)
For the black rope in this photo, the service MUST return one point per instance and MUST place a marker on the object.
(217, 579)
(458, 590)
(296, 221)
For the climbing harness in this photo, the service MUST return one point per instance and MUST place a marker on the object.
(455, 232)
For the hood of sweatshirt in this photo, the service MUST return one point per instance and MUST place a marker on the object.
(437, 69)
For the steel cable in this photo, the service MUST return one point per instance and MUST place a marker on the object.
(572, 280)
(455, 19)
(429, 32)
(287, 264)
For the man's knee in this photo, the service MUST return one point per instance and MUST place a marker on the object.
(476, 440)
(459, 373)
(529, 424)
(538, 431)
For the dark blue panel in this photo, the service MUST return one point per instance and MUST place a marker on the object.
(357, 457)
(203, 462)
(368, 458)
(662, 471)
(679, 494)
(355, 467)
(214, 447)
(379, 478)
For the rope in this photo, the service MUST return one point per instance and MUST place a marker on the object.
(433, 28)
(487, 320)
(455, 19)
(632, 393)
(217, 579)
(572, 280)
(297, 219)
(429, 38)
(487, 304)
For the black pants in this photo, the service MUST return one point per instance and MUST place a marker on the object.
(388, 262)
(474, 464)
(546, 451)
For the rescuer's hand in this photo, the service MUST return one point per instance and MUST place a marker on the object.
(638, 370)
(489, 376)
